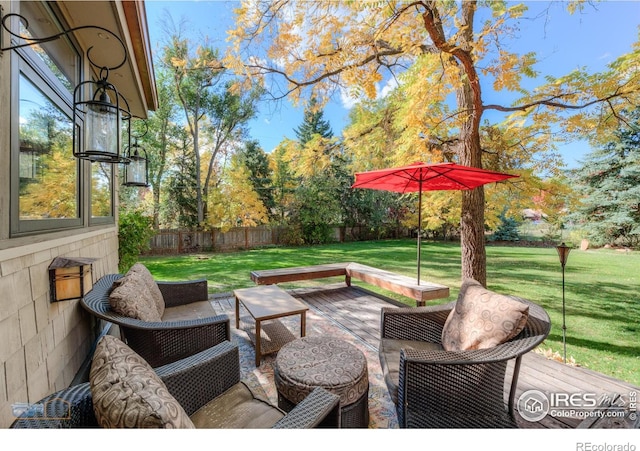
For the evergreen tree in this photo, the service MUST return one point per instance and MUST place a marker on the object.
(507, 230)
(313, 124)
(284, 181)
(257, 163)
(180, 207)
(316, 165)
(610, 182)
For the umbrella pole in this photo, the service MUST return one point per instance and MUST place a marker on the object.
(419, 227)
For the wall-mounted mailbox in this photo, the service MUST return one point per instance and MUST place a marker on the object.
(70, 278)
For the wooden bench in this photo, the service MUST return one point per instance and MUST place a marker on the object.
(280, 275)
(397, 283)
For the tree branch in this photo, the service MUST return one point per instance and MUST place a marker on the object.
(556, 103)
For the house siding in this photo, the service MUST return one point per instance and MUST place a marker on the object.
(43, 344)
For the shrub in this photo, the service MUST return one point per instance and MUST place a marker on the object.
(135, 231)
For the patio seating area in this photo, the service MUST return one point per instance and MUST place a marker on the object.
(352, 313)
(184, 325)
(125, 392)
(339, 360)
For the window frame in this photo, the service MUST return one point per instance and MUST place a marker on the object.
(26, 62)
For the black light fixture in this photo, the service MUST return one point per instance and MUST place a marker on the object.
(563, 254)
(103, 116)
(136, 171)
(98, 103)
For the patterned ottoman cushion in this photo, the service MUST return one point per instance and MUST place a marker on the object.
(310, 362)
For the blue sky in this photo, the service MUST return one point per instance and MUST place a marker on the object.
(590, 39)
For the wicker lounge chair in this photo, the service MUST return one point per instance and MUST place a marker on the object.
(451, 389)
(163, 342)
(194, 382)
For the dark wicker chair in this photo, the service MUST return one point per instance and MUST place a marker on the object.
(465, 389)
(193, 382)
(164, 342)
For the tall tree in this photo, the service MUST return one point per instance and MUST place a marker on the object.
(257, 162)
(318, 166)
(161, 138)
(195, 72)
(355, 46)
(609, 180)
(216, 114)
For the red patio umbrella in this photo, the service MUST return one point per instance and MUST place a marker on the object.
(420, 177)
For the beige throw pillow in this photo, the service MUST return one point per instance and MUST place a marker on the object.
(482, 319)
(127, 393)
(152, 285)
(131, 297)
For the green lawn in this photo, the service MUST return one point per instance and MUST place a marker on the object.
(602, 287)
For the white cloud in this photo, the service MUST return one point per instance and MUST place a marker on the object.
(349, 99)
(391, 85)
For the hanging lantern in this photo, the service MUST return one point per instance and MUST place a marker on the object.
(103, 117)
(136, 172)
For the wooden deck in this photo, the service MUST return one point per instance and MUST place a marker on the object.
(357, 310)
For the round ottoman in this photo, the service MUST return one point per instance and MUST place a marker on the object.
(335, 365)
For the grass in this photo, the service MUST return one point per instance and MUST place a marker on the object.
(602, 286)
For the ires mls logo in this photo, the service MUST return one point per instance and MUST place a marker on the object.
(53, 409)
(534, 405)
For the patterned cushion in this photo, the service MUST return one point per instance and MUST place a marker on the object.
(237, 408)
(482, 319)
(127, 393)
(131, 297)
(152, 285)
(309, 362)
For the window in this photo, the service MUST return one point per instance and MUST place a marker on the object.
(59, 55)
(46, 188)
(101, 192)
(50, 188)
(48, 171)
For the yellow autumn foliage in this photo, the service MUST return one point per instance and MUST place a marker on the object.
(417, 72)
(234, 202)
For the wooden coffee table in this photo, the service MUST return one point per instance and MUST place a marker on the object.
(268, 303)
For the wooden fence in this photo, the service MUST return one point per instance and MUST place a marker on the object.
(168, 242)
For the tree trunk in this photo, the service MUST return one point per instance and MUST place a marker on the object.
(472, 236)
(196, 150)
(469, 99)
(156, 181)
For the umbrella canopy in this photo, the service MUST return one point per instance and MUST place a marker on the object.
(427, 177)
(420, 177)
